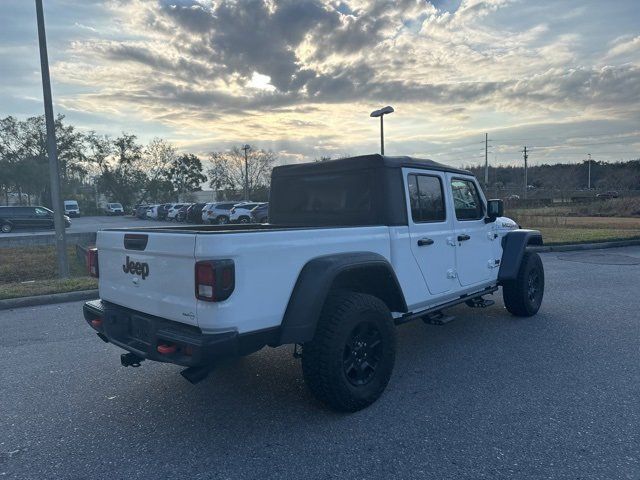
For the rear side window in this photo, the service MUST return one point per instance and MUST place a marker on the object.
(340, 198)
(426, 198)
(466, 200)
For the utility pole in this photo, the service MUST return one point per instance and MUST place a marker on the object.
(246, 148)
(54, 168)
(486, 161)
(526, 181)
(589, 182)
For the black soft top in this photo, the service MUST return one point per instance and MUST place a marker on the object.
(365, 162)
(354, 191)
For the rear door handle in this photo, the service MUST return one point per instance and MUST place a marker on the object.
(423, 242)
(463, 238)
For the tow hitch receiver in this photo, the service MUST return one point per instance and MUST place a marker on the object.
(130, 360)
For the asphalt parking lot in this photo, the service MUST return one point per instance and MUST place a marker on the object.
(488, 396)
(92, 224)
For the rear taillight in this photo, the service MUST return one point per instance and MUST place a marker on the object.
(215, 280)
(92, 262)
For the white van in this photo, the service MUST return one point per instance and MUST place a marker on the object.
(71, 208)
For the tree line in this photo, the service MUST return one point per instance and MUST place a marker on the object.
(120, 168)
(565, 176)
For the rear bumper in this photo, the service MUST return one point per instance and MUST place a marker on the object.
(141, 334)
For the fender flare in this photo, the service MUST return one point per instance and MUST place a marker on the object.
(314, 283)
(514, 244)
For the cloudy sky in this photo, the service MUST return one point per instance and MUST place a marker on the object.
(301, 77)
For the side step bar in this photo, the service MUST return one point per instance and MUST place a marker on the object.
(435, 313)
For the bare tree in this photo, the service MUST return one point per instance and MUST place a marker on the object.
(227, 171)
(158, 157)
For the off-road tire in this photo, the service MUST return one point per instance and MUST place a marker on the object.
(523, 296)
(329, 356)
(6, 227)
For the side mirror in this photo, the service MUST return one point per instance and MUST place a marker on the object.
(495, 209)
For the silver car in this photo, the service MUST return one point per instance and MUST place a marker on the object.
(219, 212)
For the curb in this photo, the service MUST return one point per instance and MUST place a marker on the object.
(11, 303)
(584, 246)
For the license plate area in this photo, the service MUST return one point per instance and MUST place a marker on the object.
(140, 329)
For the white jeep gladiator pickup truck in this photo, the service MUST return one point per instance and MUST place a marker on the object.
(355, 247)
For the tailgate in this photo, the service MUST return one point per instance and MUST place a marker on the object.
(152, 272)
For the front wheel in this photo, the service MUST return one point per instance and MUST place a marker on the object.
(349, 362)
(6, 228)
(244, 219)
(523, 296)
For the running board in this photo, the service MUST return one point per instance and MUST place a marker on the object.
(437, 318)
(408, 317)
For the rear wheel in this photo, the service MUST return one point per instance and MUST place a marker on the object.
(244, 219)
(6, 227)
(349, 362)
(523, 296)
(222, 220)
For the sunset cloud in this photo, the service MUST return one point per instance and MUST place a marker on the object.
(302, 76)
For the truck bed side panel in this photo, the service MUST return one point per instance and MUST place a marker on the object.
(267, 266)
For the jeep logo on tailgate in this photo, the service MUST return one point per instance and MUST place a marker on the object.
(136, 268)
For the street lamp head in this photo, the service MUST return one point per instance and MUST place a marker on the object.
(382, 111)
(246, 147)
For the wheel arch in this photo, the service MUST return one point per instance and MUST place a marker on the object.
(514, 244)
(363, 272)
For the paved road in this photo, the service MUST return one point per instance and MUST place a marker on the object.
(488, 396)
(91, 224)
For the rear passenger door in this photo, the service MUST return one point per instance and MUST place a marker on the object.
(25, 217)
(430, 228)
(474, 238)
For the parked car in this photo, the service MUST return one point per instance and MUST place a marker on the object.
(513, 197)
(27, 217)
(181, 216)
(355, 247)
(134, 209)
(141, 212)
(194, 213)
(71, 208)
(241, 213)
(173, 211)
(163, 210)
(260, 214)
(113, 209)
(218, 212)
(153, 212)
(607, 195)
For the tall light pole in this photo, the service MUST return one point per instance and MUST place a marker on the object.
(246, 149)
(526, 179)
(589, 181)
(54, 168)
(486, 161)
(381, 113)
